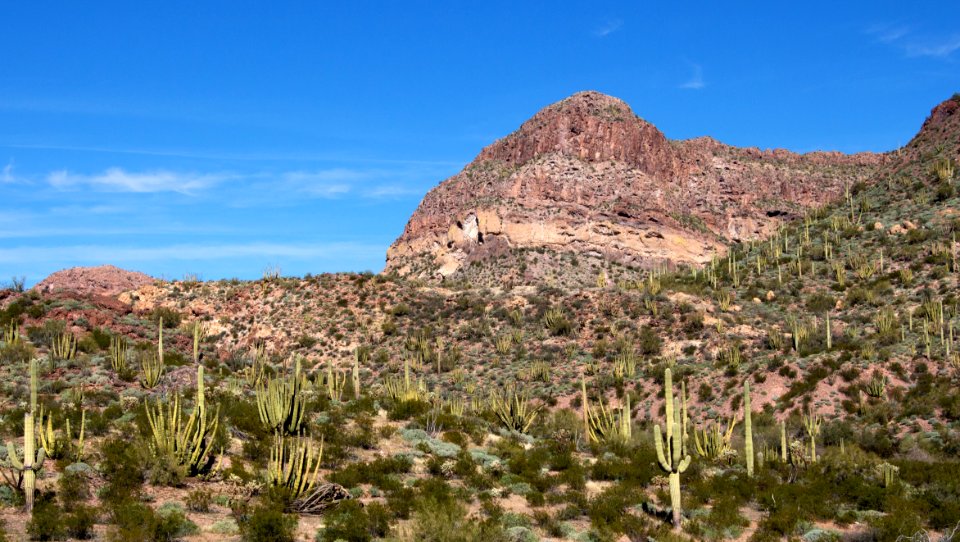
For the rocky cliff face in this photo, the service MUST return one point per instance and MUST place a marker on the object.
(588, 176)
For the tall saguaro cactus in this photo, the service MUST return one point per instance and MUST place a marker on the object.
(747, 428)
(811, 423)
(33, 387)
(783, 441)
(31, 462)
(671, 451)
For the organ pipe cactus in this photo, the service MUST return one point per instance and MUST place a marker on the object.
(11, 334)
(57, 445)
(254, 374)
(31, 462)
(513, 410)
(671, 448)
(281, 401)
(188, 442)
(151, 367)
(747, 428)
(406, 389)
(335, 382)
(888, 472)
(294, 464)
(603, 424)
(64, 346)
(712, 442)
(118, 354)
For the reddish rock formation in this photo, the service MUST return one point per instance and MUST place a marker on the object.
(105, 280)
(587, 175)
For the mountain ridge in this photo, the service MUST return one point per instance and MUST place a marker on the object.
(587, 175)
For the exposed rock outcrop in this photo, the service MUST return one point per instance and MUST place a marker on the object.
(587, 175)
(104, 280)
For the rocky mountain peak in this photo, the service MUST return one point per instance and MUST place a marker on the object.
(591, 127)
(587, 177)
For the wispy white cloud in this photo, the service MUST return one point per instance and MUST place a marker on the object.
(249, 188)
(325, 183)
(906, 39)
(608, 28)
(7, 175)
(120, 180)
(939, 49)
(696, 79)
(391, 191)
(887, 33)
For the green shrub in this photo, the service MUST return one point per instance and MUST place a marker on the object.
(20, 352)
(352, 522)
(268, 524)
(171, 318)
(120, 467)
(46, 522)
(80, 521)
(199, 500)
(73, 488)
(136, 521)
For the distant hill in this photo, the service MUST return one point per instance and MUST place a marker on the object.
(107, 280)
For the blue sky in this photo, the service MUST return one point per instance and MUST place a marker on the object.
(220, 138)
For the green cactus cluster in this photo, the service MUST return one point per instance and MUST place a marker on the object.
(11, 334)
(152, 367)
(713, 442)
(63, 347)
(294, 464)
(187, 441)
(59, 445)
(514, 410)
(405, 389)
(282, 402)
(254, 373)
(605, 424)
(118, 354)
(334, 382)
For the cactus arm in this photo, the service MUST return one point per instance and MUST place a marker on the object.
(747, 428)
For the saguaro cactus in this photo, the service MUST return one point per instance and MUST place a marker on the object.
(356, 374)
(811, 423)
(783, 441)
(33, 387)
(671, 451)
(747, 428)
(31, 462)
